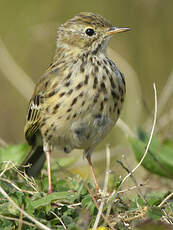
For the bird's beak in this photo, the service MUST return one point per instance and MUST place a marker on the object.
(115, 30)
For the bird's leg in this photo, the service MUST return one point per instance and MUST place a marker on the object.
(88, 157)
(49, 172)
(47, 153)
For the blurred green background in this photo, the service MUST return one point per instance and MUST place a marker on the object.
(144, 55)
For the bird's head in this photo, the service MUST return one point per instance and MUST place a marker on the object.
(86, 32)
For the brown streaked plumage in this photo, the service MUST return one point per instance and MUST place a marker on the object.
(78, 100)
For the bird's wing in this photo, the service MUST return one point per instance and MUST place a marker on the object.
(33, 118)
(35, 111)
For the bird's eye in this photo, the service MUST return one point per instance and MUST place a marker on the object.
(90, 32)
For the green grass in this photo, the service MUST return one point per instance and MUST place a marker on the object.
(73, 204)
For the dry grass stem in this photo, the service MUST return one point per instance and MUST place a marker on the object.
(165, 120)
(16, 187)
(60, 205)
(142, 213)
(3, 143)
(114, 193)
(166, 94)
(131, 188)
(163, 100)
(17, 220)
(167, 218)
(7, 167)
(150, 138)
(104, 188)
(14, 74)
(29, 180)
(165, 200)
(21, 218)
(59, 220)
(74, 205)
(134, 180)
(125, 128)
(95, 202)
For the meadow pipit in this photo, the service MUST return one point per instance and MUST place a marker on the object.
(79, 98)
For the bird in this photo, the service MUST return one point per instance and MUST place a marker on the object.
(78, 100)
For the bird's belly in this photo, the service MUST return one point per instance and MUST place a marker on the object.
(89, 131)
(84, 133)
(90, 125)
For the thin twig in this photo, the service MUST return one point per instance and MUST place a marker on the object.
(134, 180)
(95, 202)
(166, 218)
(21, 219)
(59, 219)
(74, 205)
(7, 167)
(139, 215)
(130, 189)
(37, 223)
(114, 193)
(17, 220)
(166, 198)
(29, 180)
(16, 187)
(110, 200)
(150, 138)
(104, 188)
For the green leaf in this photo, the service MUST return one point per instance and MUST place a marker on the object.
(14, 153)
(28, 205)
(52, 197)
(60, 185)
(155, 198)
(159, 159)
(88, 203)
(154, 213)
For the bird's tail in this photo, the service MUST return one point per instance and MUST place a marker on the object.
(36, 159)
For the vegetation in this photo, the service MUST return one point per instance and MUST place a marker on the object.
(74, 205)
